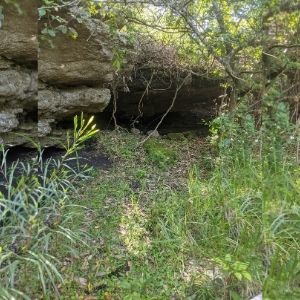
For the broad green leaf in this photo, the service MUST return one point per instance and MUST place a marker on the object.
(42, 12)
(238, 275)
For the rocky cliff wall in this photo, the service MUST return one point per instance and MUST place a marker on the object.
(18, 72)
(44, 83)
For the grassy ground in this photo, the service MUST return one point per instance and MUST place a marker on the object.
(135, 253)
(170, 221)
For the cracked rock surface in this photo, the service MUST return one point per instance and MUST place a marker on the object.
(68, 77)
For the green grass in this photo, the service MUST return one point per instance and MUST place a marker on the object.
(136, 261)
(160, 154)
(35, 214)
(210, 237)
(194, 227)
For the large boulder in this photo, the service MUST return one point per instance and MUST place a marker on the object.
(85, 60)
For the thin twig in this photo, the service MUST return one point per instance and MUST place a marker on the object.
(115, 97)
(146, 91)
(167, 111)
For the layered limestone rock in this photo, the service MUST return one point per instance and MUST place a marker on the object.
(61, 103)
(18, 87)
(8, 121)
(69, 76)
(18, 72)
(86, 60)
(74, 73)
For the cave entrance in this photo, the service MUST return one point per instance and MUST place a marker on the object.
(195, 105)
(173, 122)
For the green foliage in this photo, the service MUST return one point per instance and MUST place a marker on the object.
(83, 131)
(227, 233)
(249, 43)
(35, 211)
(227, 236)
(135, 261)
(120, 145)
(237, 269)
(118, 59)
(256, 183)
(160, 154)
(53, 21)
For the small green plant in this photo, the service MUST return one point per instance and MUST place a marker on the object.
(234, 268)
(118, 59)
(160, 154)
(83, 131)
(54, 23)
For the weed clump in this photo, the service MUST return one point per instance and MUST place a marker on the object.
(35, 213)
(160, 154)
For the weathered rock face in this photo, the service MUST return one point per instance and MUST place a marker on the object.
(18, 34)
(18, 73)
(60, 103)
(66, 78)
(18, 87)
(87, 60)
(74, 74)
(8, 121)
